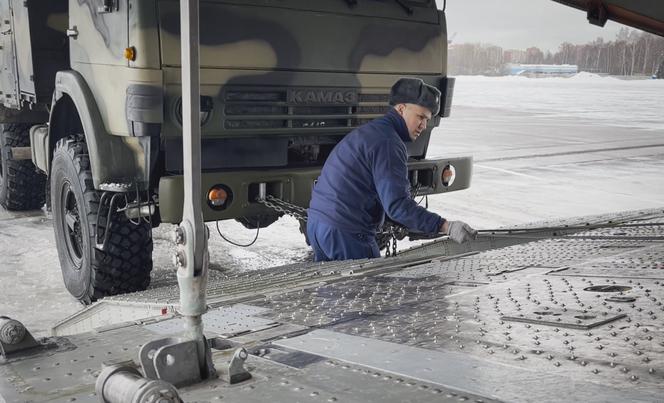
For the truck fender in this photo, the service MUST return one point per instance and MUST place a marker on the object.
(112, 158)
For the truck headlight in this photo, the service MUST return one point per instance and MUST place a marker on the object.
(448, 175)
(206, 109)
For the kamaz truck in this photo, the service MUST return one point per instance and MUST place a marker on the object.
(92, 113)
(547, 312)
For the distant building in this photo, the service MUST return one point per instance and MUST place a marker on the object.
(541, 69)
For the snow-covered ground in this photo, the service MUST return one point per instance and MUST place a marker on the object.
(543, 148)
(600, 100)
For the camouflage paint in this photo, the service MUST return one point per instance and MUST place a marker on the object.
(244, 44)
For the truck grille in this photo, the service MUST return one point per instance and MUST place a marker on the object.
(281, 109)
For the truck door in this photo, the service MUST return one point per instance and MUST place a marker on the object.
(98, 31)
(8, 76)
(21, 25)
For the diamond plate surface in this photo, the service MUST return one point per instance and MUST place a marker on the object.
(450, 368)
(459, 305)
(224, 321)
(646, 262)
(583, 320)
(71, 377)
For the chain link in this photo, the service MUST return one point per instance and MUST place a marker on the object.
(284, 207)
(390, 230)
(393, 232)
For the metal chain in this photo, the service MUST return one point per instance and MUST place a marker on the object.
(392, 230)
(284, 207)
(396, 231)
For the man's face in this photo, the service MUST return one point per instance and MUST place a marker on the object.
(416, 118)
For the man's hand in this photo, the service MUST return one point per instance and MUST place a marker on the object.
(459, 231)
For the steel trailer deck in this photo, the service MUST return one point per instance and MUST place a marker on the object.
(573, 314)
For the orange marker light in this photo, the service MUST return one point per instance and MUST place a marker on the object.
(130, 53)
(217, 197)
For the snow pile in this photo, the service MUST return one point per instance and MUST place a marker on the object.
(584, 75)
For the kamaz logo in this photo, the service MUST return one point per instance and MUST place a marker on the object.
(317, 96)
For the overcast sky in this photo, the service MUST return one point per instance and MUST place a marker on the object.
(521, 23)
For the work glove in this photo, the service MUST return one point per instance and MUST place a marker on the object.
(461, 232)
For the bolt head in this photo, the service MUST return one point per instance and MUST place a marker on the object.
(179, 235)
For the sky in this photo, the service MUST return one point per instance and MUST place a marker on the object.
(520, 24)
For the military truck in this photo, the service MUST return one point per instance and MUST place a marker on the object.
(92, 113)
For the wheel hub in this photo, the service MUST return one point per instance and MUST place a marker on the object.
(71, 225)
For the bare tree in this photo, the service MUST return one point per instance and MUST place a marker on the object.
(631, 53)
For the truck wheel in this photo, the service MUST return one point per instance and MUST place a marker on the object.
(90, 273)
(22, 186)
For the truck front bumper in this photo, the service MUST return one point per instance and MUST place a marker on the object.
(294, 186)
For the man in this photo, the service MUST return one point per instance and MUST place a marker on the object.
(366, 176)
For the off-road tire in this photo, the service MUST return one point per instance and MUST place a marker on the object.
(22, 186)
(90, 273)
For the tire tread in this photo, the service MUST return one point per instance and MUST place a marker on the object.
(125, 264)
(23, 185)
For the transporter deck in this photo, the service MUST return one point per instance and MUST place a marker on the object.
(573, 314)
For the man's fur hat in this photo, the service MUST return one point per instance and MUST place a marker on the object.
(415, 91)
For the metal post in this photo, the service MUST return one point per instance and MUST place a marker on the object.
(193, 256)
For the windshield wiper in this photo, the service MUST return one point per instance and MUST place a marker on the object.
(409, 9)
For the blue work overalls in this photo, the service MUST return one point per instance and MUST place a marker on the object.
(365, 176)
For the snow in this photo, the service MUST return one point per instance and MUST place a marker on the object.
(598, 100)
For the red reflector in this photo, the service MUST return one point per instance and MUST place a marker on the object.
(164, 311)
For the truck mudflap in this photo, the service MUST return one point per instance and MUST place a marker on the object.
(242, 188)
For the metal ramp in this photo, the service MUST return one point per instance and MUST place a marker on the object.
(161, 301)
(571, 317)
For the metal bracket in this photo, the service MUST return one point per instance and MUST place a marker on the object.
(597, 13)
(20, 153)
(235, 371)
(14, 337)
(175, 361)
(111, 200)
(72, 32)
(108, 6)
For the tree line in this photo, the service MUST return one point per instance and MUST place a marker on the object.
(632, 53)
